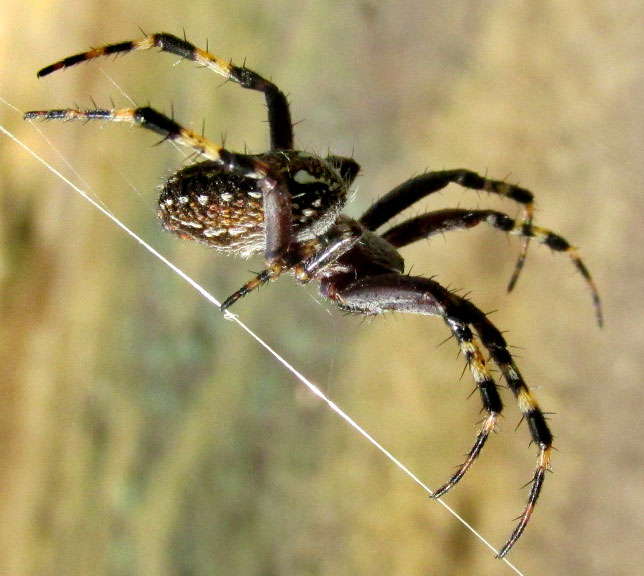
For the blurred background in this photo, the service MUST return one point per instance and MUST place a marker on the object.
(143, 434)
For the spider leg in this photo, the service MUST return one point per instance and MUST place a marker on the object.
(411, 191)
(441, 221)
(377, 294)
(146, 117)
(279, 116)
(541, 434)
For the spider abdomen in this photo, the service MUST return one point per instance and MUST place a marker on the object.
(209, 204)
(205, 203)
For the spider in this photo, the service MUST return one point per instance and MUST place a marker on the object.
(286, 204)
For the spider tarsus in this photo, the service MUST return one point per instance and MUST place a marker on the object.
(517, 271)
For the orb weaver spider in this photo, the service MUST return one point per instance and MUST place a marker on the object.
(286, 204)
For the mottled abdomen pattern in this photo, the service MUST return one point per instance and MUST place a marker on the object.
(207, 203)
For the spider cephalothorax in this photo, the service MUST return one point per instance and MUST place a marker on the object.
(287, 204)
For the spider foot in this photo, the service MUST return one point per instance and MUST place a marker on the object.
(526, 227)
(262, 278)
(543, 465)
(481, 438)
(523, 254)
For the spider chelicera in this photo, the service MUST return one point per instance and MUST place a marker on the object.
(286, 204)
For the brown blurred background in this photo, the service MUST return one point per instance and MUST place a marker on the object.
(143, 434)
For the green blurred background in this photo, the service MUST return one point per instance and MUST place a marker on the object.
(143, 434)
